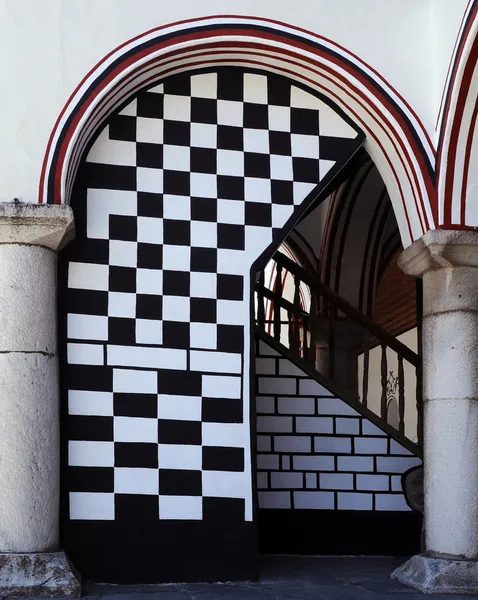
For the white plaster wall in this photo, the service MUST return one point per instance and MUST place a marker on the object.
(48, 46)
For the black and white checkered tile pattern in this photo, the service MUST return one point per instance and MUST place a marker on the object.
(183, 189)
(316, 452)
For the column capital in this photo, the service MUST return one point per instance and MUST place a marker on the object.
(49, 225)
(440, 249)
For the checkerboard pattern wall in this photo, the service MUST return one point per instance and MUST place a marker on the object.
(316, 452)
(184, 188)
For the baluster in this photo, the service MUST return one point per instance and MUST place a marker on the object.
(401, 396)
(261, 307)
(313, 322)
(297, 310)
(331, 314)
(277, 303)
(384, 373)
(290, 327)
(366, 369)
(419, 404)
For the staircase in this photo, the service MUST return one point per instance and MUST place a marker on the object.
(342, 349)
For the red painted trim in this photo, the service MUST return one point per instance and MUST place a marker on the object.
(466, 165)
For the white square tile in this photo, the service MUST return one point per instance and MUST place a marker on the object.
(134, 381)
(149, 331)
(279, 118)
(86, 506)
(299, 98)
(203, 285)
(230, 113)
(180, 507)
(256, 140)
(306, 146)
(85, 354)
(87, 327)
(179, 408)
(177, 108)
(215, 362)
(231, 211)
(221, 386)
(145, 357)
(204, 85)
(203, 335)
(176, 207)
(230, 312)
(227, 435)
(255, 88)
(203, 185)
(234, 261)
(123, 254)
(136, 481)
(157, 89)
(203, 234)
(121, 304)
(203, 135)
(179, 456)
(103, 203)
(325, 166)
(149, 281)
(135, 429)
(281, 213)
(176, 158)
(91, 454)
(176, 308)
(85, 276)
(281, 167)
(230, 162)
(99, 404)
(301, 191)
(150, 230)
(149, 180)
(149, 131)
(176, 258)
(220, 484)
(130, 110)
(257, 190)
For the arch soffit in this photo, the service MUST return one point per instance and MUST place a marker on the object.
(396, 139)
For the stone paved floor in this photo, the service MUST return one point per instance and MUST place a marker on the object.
(287, 578)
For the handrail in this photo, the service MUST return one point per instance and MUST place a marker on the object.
(347, 308)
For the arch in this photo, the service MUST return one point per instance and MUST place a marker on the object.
(457, 121)
(396, 139)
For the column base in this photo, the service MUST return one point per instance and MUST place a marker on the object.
(41, 574)
(439, 575)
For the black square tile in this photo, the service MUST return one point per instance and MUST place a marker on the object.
(282, 192)
(230, 188)
(182, 383)
(149, 155)
(257, 165)
(222, 410)
(150, 256)
(230, 236)
(122, 128)
(258, 214)
(121, 332)
(139, 455)
(178, 85)
(304, 120)
(176, 233)
(149, 307)
(179, 432)
(203, 110)
(230, 287)
(81, 377)
(176, 335)
(337, 148)
(150, 205)
(135, 405)
(176, 182)
(218, 458)
(122, 279)
(149, 104)
(278, 90)
(123, 228)
(177, 133)
(203, 310)
(90, 479)
(232, 509)
(280, 143)
(256, 116)
(230, 85)
(176, 283)
(144, 507)
(109, 177)
(203, 160)
(230, 138)
(230, 338)
(204, 260)
(87, 302)
(89, 428)
(180, 483)
(204, 209)
(306, 170)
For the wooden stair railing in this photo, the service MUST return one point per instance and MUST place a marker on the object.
(331, 341)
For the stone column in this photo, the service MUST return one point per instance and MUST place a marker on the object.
(448, 263)
(30, 561)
